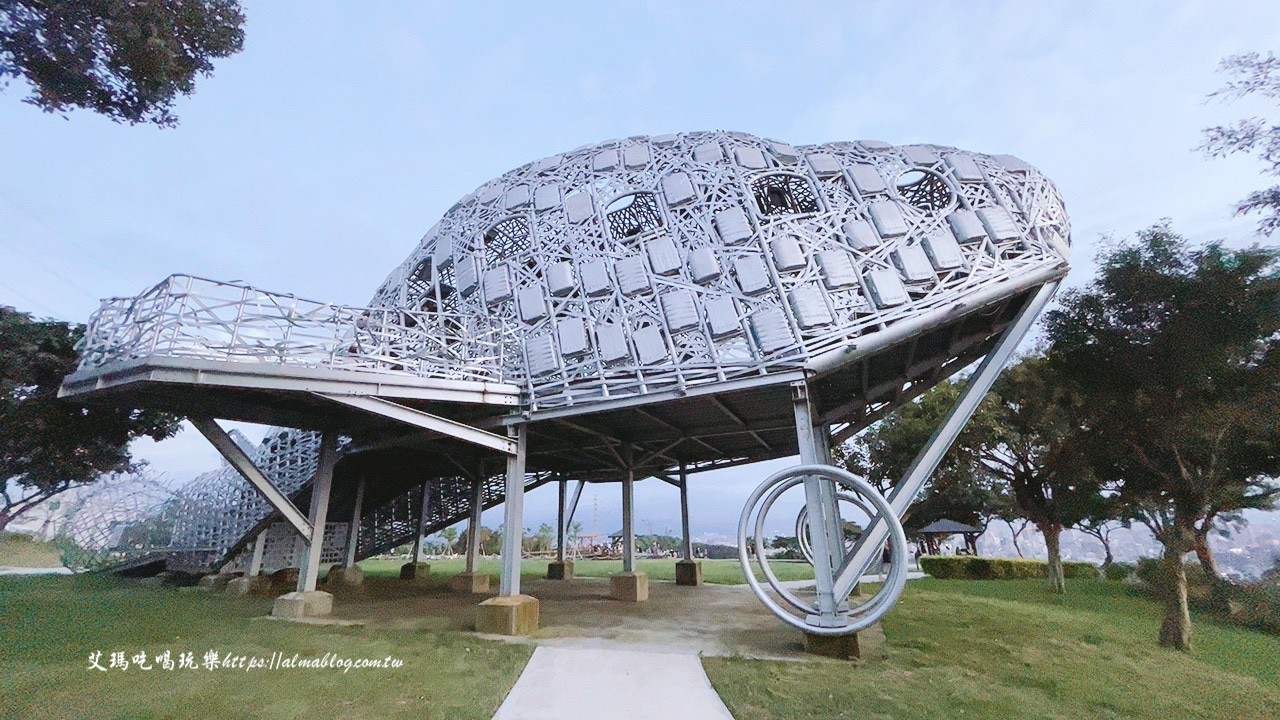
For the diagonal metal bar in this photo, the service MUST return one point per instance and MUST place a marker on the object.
(904, 493)
(244, 465)
(425, 420)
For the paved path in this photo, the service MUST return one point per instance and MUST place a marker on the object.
(34, 571)
(595, 684)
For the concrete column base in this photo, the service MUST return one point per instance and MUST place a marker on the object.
(474, 583)
(560, 570)
(866, 645)
(629, 586)
(314, 603)
(689, 572)
(415, 571)
(341, 576)
(508, 615)
(841, 647)
(250, 585)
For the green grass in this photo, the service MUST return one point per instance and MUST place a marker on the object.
(1007, 648)
(719, 572)
(51, 625)
(17, 550)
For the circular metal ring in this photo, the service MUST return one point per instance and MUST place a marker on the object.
(860, 616)
(802, 523)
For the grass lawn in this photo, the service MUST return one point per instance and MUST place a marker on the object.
(973, 649)
(1006, 648)
(719, 572)
(17, 550)
(51, 625)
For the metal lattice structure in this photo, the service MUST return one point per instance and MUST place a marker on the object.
(636, 307)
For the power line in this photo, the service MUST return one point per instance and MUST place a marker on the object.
(54, 231)
(35, 303)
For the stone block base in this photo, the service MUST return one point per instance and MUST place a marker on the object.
(303, 605)
(508, 615)
(841, 647)
(560, 570)
(341, 576)
(629, 587)
(415, 571)
(689, 572)
(249, 585)
(474, 583)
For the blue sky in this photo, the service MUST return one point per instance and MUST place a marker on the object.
(313, 161)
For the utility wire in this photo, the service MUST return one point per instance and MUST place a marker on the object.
(65, 238)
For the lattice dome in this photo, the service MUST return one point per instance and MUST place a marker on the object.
(637, 265)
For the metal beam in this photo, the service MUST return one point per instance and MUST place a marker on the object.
(513, 523)
(738, 419)
(418, 554)
(628, 515)
(560, 515)
(684, 512)
(904, 493)
(309, 571)
(425, 420)
(819, 503)
(259, 546)
(237, 459)
(473, 521)
(573, 506)
(353, 535)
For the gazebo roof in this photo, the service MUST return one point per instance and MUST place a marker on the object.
(948, 527)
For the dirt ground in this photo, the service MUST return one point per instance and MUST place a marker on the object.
(709, 620)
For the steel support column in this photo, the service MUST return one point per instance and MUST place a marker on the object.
(418, 551)
(513, 522)
(687, 545)
(259, 547)
(353, 535)
(628, 514)
(320, 487)
(473, 522)
(820, 501)
(560, 518)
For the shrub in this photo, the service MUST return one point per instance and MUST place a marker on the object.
(978, 568)
(1081, 570)
(1119, 571)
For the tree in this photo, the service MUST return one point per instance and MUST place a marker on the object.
(1029, 443)
(47, 445)
(1251, 73)
(544, 537)
(1176, 351)
(958, 490)
(450, 534)
(128, 60)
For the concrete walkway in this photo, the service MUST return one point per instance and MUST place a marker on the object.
(34, 571)
(595, 684)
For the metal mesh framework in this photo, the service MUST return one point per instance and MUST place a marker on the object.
(648, 266)
(670, 261)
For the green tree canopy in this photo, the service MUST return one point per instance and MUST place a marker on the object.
(1176, 350)
(126, 59)
(47, 445)
(1251, 74)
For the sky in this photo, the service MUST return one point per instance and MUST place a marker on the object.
(313, 161)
